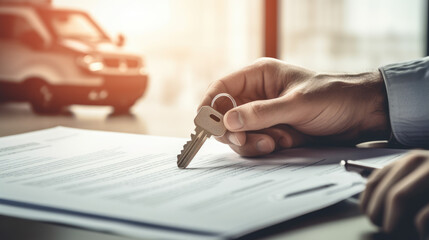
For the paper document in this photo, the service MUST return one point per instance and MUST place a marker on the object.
(130, 184)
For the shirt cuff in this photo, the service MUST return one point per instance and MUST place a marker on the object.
(407, 87)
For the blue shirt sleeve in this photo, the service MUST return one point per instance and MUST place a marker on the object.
(407, 86)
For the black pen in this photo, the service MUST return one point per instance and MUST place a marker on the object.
(363, 169)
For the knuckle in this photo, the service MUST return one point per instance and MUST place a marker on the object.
(373, 180)
(257, 111)
(299, 95)
(370, 185)
(265, 63)
(373, 217)
(363, 201)
(264, 60)
(215, 88)
(418, 154)
(396, 197)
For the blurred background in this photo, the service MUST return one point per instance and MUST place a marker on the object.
(186, 44)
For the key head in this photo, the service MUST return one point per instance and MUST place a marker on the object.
(211, 121)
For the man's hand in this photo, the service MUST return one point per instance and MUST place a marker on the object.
(283, 106)
(396, 197)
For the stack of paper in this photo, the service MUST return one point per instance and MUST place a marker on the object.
(130, 184)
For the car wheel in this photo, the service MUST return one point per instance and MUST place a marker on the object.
(43, 100)
(123, 108)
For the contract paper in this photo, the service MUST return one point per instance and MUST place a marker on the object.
(130, 184)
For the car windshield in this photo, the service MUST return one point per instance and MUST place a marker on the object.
(75, 25)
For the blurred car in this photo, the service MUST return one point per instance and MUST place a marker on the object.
(57, 57)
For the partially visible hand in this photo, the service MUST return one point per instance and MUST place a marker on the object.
(284, 106)
(396, 197)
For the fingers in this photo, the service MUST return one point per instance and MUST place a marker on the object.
(405, 198)
(256, 144)
(257, 90)
(375, 208)
(256, 81)
(260, 114)
(267, 140)
(397, 192)
(373, 180)
(238, 138)
(287, 137)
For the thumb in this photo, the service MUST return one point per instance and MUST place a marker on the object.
(256, 115)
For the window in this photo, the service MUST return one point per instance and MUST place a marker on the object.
(13, 26)
(349, 35)
(6, 29)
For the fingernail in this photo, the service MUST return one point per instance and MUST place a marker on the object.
(233, 139)
(263, 146)
(234, 120)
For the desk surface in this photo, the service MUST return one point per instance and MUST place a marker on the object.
(341, 221)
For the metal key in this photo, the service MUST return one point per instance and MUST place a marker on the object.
(208, 122)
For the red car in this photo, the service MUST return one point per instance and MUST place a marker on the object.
(57, 57)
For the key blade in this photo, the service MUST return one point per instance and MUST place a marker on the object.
(190, 150)
(186, 150)
(191, 147)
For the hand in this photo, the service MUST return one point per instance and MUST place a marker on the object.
(396, 197)
(283, 106)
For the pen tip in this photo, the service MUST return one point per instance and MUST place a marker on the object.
(343, 162)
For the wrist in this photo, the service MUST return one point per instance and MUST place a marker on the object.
(375, 123)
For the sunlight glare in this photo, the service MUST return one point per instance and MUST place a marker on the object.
(134, 17)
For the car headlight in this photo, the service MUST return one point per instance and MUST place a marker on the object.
(91, 63)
